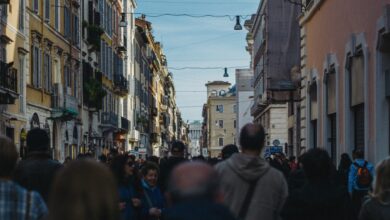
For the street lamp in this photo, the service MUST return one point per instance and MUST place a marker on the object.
(123, 22)
(238, 26)
(226, 73)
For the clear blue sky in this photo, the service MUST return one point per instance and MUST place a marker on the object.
(199, 42)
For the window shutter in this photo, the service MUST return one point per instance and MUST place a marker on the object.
(357, 80)
(331, 93)
(313, 102)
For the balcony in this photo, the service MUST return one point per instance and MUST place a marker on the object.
(134, 135)
(109, 120)
(64, 106)
(125, 124)
(8, 83)
(121, 85)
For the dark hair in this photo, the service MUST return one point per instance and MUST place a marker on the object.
(153, 159)
(117, 168)
(8, 157)
(149, 166)
(37, 140)
(84, 190)
(345, 161)
(229, 150)
(177, 147)
(317, 164)
(358, 153)
(252, 137)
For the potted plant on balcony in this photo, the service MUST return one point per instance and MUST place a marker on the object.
(94, 34)
(94, 94)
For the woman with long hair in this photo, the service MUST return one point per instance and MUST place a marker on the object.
(378, 205)
(84, 190)
(128, 184)
(343, 169)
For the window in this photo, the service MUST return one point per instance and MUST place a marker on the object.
(67, 22)
(313, 114)
(220, 123)
(57, 15)
(47, 10)
(235, 124)
(75, 83)
(219, 108)
(47, 72)
(36, 6)
(76, 34)
(357, 99)
(21, 84)
(4, 11)
(234, 108)
(220, 142)
(36, 67)
(67, 76)
(21, 15)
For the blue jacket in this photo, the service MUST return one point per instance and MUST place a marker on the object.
(353, 174)
(155, 198)
(126, 194)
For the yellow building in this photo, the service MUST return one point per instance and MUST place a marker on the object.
(14, 49)
(220, 116)
(53, 79)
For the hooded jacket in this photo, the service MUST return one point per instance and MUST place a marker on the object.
(270, 192)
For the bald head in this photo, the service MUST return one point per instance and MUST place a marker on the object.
(252, 137)
(193, 180)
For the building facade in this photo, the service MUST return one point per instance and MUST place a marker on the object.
(244, 102)
(345, 77)
(194, 135)
(273, 43)
(219, 116)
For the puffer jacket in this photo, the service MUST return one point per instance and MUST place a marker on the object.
(270, 192)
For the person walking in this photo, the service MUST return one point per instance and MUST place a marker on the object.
(125, 174)
(194, 194)
(252, 188)
(320, 198)
(15, 201)
(152, 199)
(360, 177)
(84, 190)
(343, 169)
(37, 171)
(228, 151)
(377, 207)
(167, 165)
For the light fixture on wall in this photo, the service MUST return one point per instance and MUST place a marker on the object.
(123, 22)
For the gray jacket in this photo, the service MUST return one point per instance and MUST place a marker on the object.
(270, 193)
(372, 209)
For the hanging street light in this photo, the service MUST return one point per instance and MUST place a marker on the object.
(226, 73)
(238, 26)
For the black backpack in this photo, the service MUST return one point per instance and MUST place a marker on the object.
(363, 176)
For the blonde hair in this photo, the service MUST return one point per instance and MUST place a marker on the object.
(382, 182)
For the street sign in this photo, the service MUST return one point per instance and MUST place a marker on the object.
(142, 150)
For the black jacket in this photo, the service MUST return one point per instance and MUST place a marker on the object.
(36, 173)
(166, 167)
(318, 201)
(197, 210)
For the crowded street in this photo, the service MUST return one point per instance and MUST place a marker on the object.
(194, 110)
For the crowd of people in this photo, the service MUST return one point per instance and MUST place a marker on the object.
(242, 185)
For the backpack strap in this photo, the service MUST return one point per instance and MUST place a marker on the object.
(247, 200)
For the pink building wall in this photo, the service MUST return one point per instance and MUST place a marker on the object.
(328, 31)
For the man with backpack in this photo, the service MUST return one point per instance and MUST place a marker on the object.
(360, 177)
